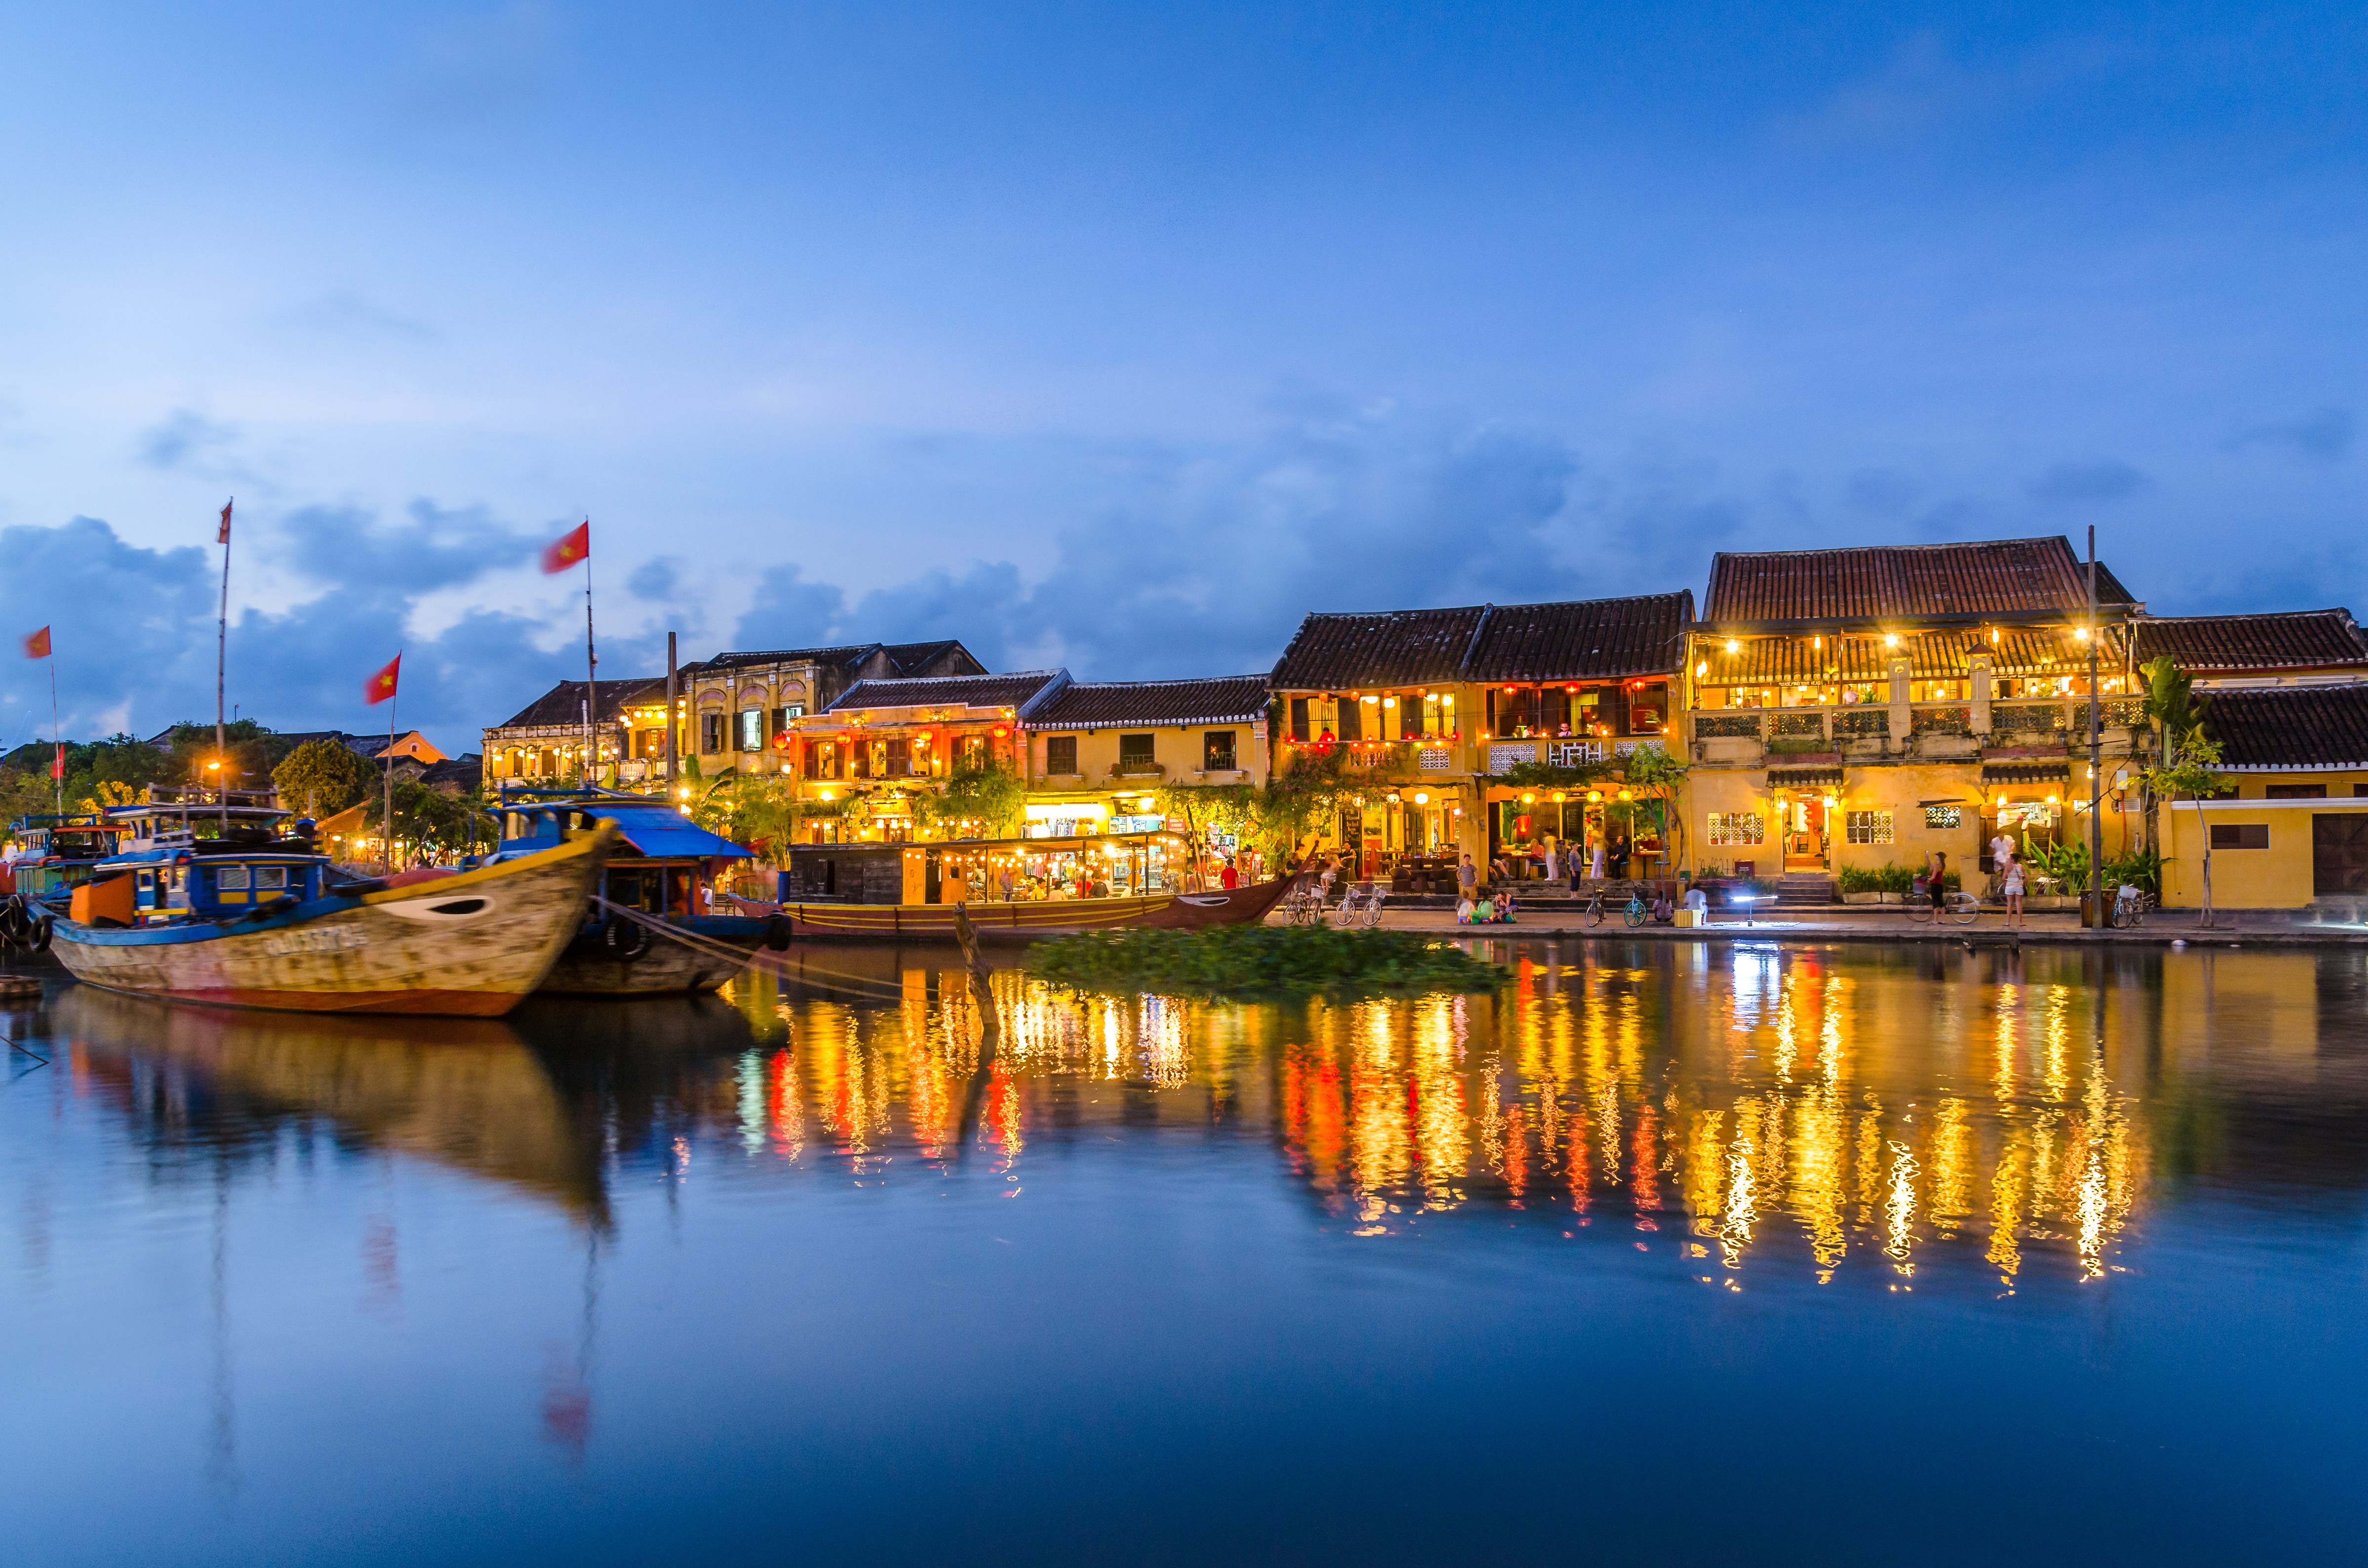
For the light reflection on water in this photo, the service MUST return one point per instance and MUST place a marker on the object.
(1622, 1139)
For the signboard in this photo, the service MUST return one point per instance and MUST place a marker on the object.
(1138, 824)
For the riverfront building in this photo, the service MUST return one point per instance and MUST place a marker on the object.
(1425, 713)
(1860, 707)
(1101, 752)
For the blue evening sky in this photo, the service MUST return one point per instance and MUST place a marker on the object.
(1119, 337)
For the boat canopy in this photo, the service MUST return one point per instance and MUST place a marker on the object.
(650, 830)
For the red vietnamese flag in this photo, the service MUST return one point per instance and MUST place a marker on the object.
(37, 646)
(380, 686)
(223, 537)
(58, 764)
(576, 546)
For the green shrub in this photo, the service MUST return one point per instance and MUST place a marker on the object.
(1858, 879)
(1895, 878)
(1235, 960)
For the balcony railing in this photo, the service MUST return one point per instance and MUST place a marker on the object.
(1738, 726)
(1798, 726)
(1944, 721)
(2028, 718)
(1858, 723)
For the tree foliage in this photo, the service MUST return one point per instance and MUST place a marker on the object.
(322, 778)
(985, 800)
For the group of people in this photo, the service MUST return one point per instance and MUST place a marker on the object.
(2007, 874)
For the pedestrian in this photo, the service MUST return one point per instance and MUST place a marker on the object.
(1005, 880)
(1598, 869)
(1553, 861)
(2012, 881)
(1230, 877)
(1618, 853)
(1936, 870)
(2001, 851)
(1331, 875)
(1467, 879)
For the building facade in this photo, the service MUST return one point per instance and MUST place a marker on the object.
(543, 742)
(1099, 753)
(738, 708)
(1864, 708)
(882, 744)
(1427, 711)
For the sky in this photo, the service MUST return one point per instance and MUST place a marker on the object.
(1120, 337)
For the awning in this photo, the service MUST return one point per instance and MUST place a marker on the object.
(1805, 778)
(2026, 772)
(659, 834)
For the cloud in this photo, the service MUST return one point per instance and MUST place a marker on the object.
(2076, 483)
(342, 314)
(789, 612)
(346, 547)
(657, 579)
(184, 441)
(2323, 434)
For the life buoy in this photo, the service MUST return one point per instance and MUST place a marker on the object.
(776, 933)
(627, 939)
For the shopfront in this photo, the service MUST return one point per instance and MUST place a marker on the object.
(1115, 865)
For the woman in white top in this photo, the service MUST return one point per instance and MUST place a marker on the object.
(2010, 869)
(1596, 867)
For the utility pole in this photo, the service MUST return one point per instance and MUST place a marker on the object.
(2095, 779)
(673, 684)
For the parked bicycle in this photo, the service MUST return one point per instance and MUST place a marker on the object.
(2130, 906)
(1956, 908)
(1303, 905)
(1360, 905)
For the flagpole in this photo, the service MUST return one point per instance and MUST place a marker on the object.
(386, 837)
(591, 675)
(57, 735)
(222, 660)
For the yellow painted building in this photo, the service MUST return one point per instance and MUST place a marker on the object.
(1863, 708)
(1099, 753)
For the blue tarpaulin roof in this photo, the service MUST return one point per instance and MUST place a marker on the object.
(658, 832)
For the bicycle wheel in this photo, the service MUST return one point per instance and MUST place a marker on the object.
(1595, 911)
(1965, 908)
(1634, 914)
(1920, 911)
(1374, 914)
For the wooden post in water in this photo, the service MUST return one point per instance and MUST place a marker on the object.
(982, 999)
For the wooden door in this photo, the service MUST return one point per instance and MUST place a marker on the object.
(2338, 854)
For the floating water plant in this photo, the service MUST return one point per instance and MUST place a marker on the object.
(1235, 960)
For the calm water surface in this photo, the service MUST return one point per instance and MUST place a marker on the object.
(1661, 1253)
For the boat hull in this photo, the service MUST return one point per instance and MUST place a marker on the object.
(589, 967)
(1027, 921)
(411, 950)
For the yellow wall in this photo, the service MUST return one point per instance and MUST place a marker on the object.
(1177, 748)
(2276, 878)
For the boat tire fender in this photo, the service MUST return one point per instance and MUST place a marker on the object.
(40, 940)
(626, 939)
(776, 933)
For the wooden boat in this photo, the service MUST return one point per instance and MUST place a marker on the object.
(1026, 920)
(650, 929)
(265, 924)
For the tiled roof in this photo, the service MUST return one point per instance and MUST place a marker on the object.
(911, 658)
(2324, 726)
(563, 704)
(1227, 700)
(1903, 583)
(2294, 640)
(1583, 639)
(848, 653)
(1803, 777)
(903, 657)
(1931, 655)
(2026, 772)
(1398, 647)
(1015, 691)
(1572, 640)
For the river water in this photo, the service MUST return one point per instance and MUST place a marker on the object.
(1660, 1252)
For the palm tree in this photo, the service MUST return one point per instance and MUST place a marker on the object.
(2190, 758)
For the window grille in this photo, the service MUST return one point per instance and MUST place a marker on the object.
(1135, 754)
(1944, 816)
(1867, 828)
(1217, 751)
(1435, 759)
(1737, 827)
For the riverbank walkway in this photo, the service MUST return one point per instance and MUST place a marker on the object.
(1887, 923)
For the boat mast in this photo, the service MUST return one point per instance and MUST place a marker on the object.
(221, 659)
